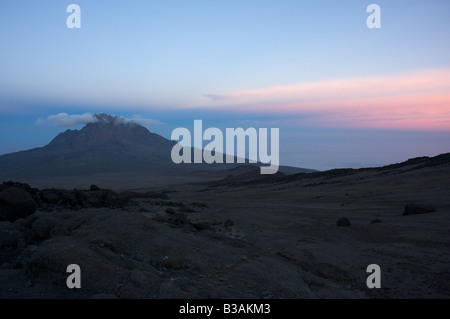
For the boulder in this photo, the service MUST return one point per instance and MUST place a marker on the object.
(413, 209)
(68, 198)
(49, 196)
(94, 188)
(23, 186)
(343, 222)
(16, 203)
(202, 226)
(43, 226)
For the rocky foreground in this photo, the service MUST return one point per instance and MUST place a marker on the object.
(123, 249)
(305, 236)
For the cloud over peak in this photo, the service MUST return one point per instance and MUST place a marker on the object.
(71, 120)
(67, 120)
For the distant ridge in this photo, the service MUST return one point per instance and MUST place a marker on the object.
(409, 165)
(250, 176)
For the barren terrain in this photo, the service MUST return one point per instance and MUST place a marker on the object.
(244, 238)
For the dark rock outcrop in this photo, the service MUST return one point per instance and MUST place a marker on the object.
(413, 209)
(43, 226)
(94, 188)
(202, 226)
(16, 203)
(79, 198)
(343, 222)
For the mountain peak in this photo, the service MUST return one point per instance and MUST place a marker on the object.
(107, 129)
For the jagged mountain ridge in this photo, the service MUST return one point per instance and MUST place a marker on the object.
(109, 131)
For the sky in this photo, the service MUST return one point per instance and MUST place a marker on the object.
(342, 94)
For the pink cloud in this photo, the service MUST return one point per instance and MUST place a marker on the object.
(414, 100)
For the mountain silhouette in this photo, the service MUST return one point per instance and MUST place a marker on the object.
(109, 145)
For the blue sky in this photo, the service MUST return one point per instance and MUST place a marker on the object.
(236, 63)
